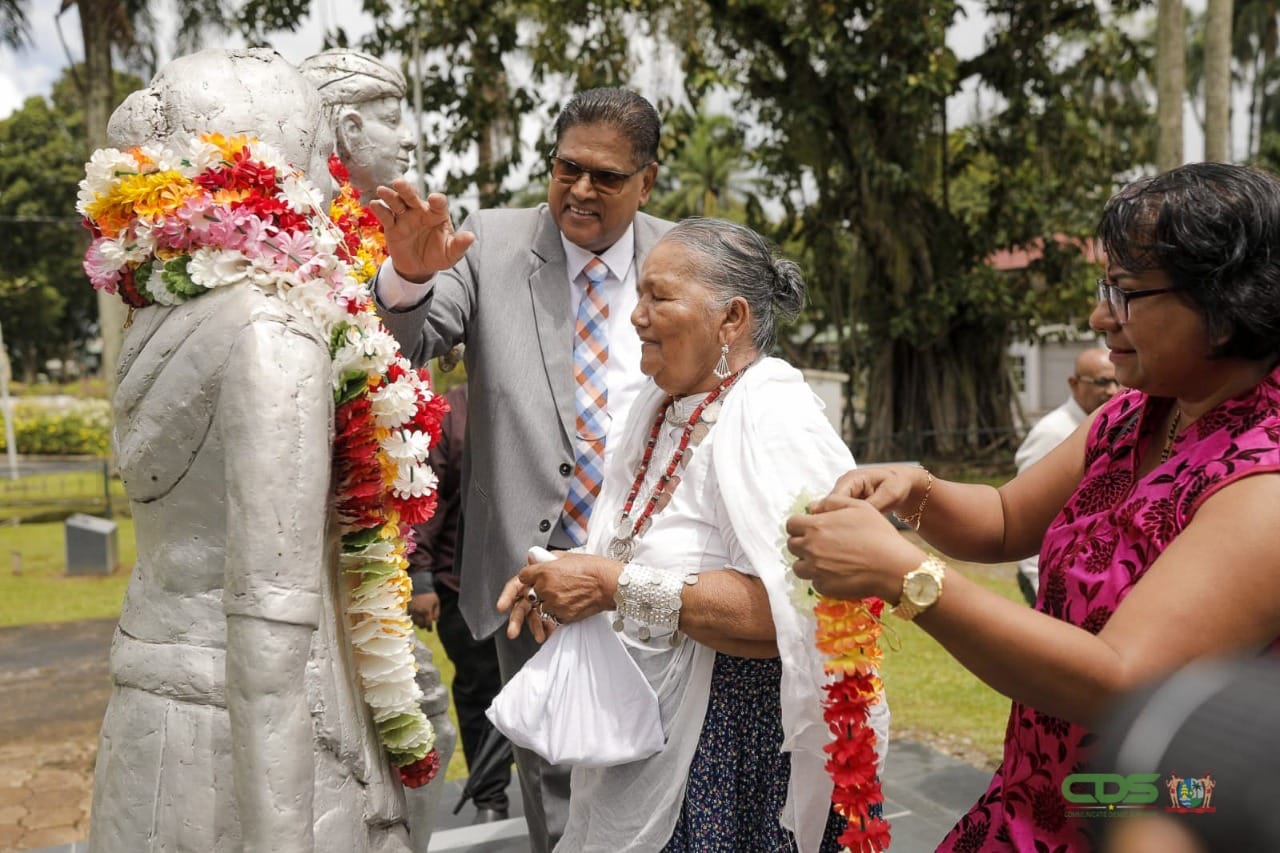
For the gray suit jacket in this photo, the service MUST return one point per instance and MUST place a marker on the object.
(508, 300)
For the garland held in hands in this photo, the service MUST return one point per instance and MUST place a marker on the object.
(848, 633)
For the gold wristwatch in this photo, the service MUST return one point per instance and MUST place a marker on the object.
(921, 589)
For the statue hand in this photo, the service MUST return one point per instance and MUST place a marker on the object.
(420, 236)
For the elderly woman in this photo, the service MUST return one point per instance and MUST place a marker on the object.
(685, 548)
(1155, 520)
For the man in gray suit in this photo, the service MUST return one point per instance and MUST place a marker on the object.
(515, 298)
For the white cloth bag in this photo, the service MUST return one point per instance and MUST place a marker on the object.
(581, 700)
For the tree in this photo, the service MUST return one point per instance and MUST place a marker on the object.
(1171, 60)
(895, 216)
(43, 291)
(1255, 39)
(705, 174)
(1217, 88)
(107, 25)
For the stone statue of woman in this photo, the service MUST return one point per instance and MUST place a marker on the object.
(237, 719)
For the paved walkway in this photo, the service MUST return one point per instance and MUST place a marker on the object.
(48, 741)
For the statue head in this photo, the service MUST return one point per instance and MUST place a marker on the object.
(251, 91)
(362, 99)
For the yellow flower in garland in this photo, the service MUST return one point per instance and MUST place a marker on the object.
(849, 635)
(228, 145)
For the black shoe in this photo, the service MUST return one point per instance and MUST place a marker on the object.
(489, 815)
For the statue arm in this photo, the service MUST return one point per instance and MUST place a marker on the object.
(275, 415)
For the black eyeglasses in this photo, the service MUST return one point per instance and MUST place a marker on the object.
(1119, 299)
(1099, 381)
(606, 181)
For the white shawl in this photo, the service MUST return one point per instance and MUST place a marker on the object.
(771, 444)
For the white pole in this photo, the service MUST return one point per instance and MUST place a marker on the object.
(10, 443)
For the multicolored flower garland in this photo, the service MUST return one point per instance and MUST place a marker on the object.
(848, 633)
(171, 225)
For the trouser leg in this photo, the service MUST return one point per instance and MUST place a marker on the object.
(477, 679)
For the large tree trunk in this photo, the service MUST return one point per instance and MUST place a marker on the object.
(1217, 81)
(1171, 73)
(950, 402)
(96, 20)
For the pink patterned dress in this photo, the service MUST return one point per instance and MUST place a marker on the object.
(1098, 547)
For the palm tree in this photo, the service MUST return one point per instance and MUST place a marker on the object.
(1255, 39)
(15, 29)
(706, 176)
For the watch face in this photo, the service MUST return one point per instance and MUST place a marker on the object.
(921, 589)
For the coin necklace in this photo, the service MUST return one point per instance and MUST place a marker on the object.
(623, 546)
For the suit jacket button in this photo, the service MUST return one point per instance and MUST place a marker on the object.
(566, 468)
(544, 525)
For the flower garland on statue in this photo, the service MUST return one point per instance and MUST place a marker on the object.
(171, 225)
(848, 633)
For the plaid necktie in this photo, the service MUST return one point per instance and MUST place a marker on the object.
(590, 358)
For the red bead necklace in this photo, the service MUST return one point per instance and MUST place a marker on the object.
(623, 546)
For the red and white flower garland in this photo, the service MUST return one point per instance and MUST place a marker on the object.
(170, 225)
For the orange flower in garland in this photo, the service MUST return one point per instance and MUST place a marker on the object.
(171, 225)
(848, 633)
(365, 246)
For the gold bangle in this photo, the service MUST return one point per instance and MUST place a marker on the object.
(913, 520)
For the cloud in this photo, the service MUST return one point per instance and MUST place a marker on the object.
(34, 69)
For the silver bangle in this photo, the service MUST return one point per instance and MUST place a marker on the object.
(651, 598)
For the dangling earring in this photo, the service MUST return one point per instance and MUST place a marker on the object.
(722, 366)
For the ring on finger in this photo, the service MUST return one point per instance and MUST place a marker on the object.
(532, 595)
(547, 617)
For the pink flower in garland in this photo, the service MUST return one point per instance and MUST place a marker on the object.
(229, 212)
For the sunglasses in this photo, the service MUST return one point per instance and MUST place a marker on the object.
(606, 181)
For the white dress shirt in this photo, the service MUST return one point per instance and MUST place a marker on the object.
(622, 374)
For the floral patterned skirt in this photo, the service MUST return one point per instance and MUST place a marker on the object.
(738, 779)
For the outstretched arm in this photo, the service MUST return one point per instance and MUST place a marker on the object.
(973, 521)
(1218, 575)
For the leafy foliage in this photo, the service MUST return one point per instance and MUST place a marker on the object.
(896, 216)
(48, 308)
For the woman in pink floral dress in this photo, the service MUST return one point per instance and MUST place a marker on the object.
(1155, 521)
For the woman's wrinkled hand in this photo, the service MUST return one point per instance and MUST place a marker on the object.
(420, 236)
(567, 589)
(850, 550)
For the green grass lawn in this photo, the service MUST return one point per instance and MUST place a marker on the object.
(935, 700)
(34, 587)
